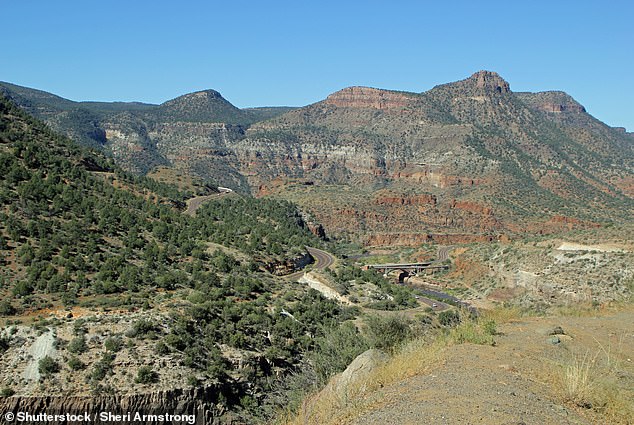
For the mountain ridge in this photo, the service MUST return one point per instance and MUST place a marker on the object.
(524, 156)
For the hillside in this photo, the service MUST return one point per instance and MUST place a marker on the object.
(470, 156)
(467, 160)
(109, 291)
(142, 137)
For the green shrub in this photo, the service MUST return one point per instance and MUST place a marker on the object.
(5, 343)
(161, 348)
(142, 329)
(77, 345)
(103, 367)
(336, 349)
(6, 309)
(387, 333)
(449, 318)
(75, 364)
(146, 375)
(113, 344)
(7, 392)
(48, 366)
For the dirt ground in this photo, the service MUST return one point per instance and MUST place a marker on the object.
(520, 380)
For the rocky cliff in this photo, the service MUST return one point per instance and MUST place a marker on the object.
(366, 97)
(471, 154)
(198, 404)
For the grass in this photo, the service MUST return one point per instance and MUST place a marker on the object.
(328, 407)
(414, 357)
(576, 379)
(598, 383)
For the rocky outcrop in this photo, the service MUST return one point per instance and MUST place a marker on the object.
(198, 403)
(417, 239)
(490, 81)
(472, 207)
(344, 386)
(561, 107)
(387, 199)
(366, 97)
(290, 265)
(357, 371)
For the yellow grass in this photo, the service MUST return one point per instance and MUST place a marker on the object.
(329, 408)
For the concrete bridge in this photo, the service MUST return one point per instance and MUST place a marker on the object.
(408, 269)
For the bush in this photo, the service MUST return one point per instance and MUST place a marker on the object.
(48, 366)
(6, 309)
(102, 367)
(7, 392)
(141, 329)
(77, 345)
(146, 375)
(449, 318)
(387, 333)
(5, 343)
(113, 344)
(336, 350)
(75, 364)
(161, 348)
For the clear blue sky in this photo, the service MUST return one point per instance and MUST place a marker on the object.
(294, 53)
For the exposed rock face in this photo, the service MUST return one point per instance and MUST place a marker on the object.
(366, 97)
(347, 384)
(417, 239)
(491, 82)
(559, 107)
(200, 402)
(406, 200)
(290, 265)
(469, 155)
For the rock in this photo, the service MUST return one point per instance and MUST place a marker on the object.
(357, 371)
(490, 81)
(557, 330)
(370, 98)
(554, 340)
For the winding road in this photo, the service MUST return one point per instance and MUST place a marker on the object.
(323, 260)
(194, 203)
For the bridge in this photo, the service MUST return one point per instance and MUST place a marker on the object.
(407, 269)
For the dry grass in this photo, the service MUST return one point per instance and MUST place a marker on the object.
(576, 379)
(598, 384)
(329, 408)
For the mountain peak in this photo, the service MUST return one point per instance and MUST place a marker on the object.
(205, 105)
(490, 81)
(197, 96)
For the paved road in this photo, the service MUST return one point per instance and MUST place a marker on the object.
(323, 260)
(194, 203)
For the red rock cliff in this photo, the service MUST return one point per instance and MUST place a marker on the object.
(369, 98)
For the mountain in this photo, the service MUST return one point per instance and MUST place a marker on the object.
(142, 136)
(464, 158)
(470, 156)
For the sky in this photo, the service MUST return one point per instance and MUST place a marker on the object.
(267, 53)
